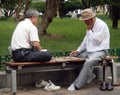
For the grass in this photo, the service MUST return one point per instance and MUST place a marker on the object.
(6, 29)
(65, 34)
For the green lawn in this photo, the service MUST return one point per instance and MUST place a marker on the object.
(65, 34)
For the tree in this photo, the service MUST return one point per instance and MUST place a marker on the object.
(71, 5)
(85, 3)
(15, 7)
(8, 7)
(50, 13)
(114, 11)
(40, 6)
(21, 7)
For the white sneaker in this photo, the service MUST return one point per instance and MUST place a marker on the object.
(51, 87)
(41, 83)
(71, 87)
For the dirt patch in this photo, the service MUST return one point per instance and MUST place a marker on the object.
(54, 36)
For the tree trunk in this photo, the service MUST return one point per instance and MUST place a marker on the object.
(27, 3)
(115, 24)
(115, 15)
(115, 18)
(19, 8)
(50, 13)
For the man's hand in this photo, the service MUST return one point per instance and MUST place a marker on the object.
(89, 27)
(73, 53)
(37, 45)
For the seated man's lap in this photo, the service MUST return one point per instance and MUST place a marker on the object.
(29, 55)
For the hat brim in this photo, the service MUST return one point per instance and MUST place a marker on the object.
(87, 18)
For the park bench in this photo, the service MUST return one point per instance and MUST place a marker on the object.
(56, 64)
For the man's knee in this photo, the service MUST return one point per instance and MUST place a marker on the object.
(88, 63)
(48, 55)
(45, 56)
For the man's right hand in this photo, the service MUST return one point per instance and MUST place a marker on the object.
(74, 53)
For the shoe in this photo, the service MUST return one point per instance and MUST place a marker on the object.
(103, 86)
(51, 87)
(109, 86)
(41, 83)
(71, 87)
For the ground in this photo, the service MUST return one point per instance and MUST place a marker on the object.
(89, 89)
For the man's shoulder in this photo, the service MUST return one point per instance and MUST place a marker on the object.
(100, 22)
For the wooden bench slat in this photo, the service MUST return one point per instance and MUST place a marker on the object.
(111, 57)
(52, 61)
(55, 61)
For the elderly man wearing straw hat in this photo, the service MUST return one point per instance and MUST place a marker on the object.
(94, 47)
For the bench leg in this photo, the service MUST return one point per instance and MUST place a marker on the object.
(111, 71)
(104, 73)
(11, 81)
(14, 82)
(114, 73)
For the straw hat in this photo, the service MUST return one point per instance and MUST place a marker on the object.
(87, 14)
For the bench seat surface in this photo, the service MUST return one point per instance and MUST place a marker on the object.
(52, 61)
(55, 60)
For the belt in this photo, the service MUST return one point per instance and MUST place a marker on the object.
(22, 49)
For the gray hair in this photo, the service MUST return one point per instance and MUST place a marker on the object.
(31, 12)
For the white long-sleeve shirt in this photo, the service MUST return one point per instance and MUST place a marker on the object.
(96, 39)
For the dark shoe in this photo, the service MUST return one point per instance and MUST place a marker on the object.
(103, 86)
(109, 86)
(76, 88)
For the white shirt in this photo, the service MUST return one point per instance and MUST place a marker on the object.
(24, 33)
(96, 39)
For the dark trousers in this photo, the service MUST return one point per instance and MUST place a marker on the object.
(31, 55)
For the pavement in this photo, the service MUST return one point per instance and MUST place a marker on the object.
(89, 89)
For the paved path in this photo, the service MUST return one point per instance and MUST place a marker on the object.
(91, 89)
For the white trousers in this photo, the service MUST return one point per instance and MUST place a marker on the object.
(86, 72)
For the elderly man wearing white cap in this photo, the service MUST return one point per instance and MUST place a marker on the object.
(94, 47)
(25, 43)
